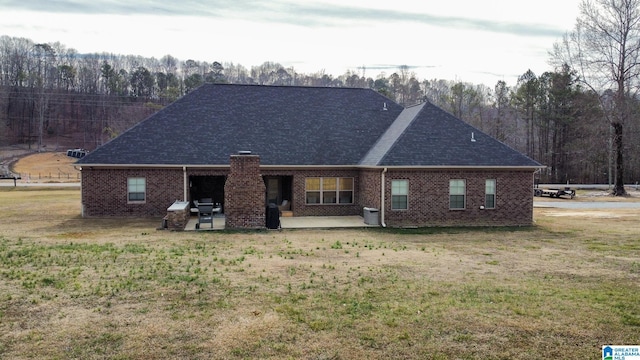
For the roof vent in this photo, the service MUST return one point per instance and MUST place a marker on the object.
(473, 138)
(384, 107)
(244, 152)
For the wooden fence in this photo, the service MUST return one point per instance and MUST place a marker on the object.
(60, 176)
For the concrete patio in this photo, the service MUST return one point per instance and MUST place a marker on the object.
(299, 222)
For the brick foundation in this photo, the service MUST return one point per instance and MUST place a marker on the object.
(244, 194)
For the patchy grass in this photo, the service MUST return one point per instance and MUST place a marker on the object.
(47, 166)
(117, 288)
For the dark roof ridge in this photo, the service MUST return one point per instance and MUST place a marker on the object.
(286, 86)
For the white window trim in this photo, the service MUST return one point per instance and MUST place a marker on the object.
(495, 197)
(321, 191)
(464, 202)
(129, 191)
(406, 195)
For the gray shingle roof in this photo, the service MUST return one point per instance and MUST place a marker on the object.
(437, 138)
(284, 125)
(391, 135)
(292, 126)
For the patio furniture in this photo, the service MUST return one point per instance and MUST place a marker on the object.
(194, 209)
(285, 206)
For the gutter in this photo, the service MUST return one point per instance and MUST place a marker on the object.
(382, 201)
(320, 167)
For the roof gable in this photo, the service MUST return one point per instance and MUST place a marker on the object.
(437, 138)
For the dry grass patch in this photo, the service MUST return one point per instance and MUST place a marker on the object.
(114, 288)
(47, 166)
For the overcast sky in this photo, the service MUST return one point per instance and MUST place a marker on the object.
(464, 40)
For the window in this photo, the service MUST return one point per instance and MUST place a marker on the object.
(136, 189)
(399, 194)
(313, 190)
(329, 187)
(346, 191)
(490, 194)
(457, 194)
(329, 190)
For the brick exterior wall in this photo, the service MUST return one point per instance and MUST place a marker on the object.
(429, 199)
(370, 188)
(244, 194)
(104, 192)
(300, 207)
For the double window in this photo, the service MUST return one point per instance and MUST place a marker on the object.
(458, 191)
(329, 190)
(457, 194)
(136, 189)
(399, 194)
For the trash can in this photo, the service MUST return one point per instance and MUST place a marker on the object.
(371, 216)
(273, 216)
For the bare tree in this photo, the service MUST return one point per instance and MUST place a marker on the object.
(501, 104)
(465, 101)
(436, 91)
(605, 50)
(169, 64)
(236, 73)
(45, 57)
(526, 98)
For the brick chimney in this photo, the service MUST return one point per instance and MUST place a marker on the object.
(244, 193)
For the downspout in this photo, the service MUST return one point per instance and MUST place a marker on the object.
(186, 182)
(81, 192)
(382, 201)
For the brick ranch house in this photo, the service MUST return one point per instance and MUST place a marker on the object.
(326, 151)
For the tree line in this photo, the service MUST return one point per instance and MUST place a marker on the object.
(564, 118)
